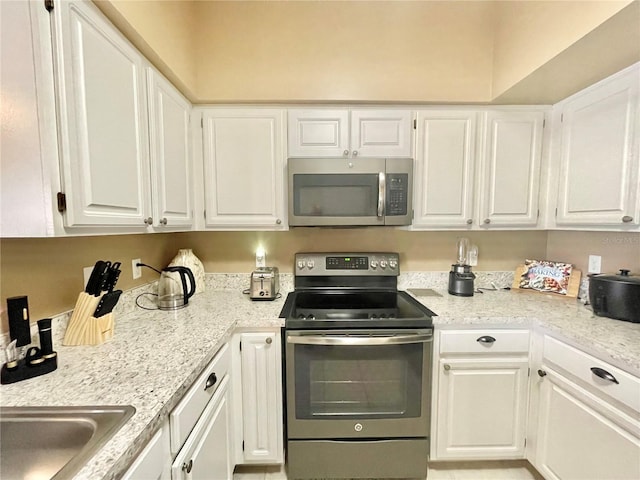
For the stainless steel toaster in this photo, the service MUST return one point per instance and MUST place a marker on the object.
(265, 283)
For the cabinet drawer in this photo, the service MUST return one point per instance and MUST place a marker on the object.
(186, 414)
(622, 386)
(484, 341)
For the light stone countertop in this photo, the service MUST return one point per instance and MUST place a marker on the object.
(155, 356)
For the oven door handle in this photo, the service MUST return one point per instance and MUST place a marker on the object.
(350, 340)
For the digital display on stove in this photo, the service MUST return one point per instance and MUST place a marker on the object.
(347, 263)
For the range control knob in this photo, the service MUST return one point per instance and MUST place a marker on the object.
(311, 264)
(383, 264)
(301, 264)
(374, 264)
(393, 263)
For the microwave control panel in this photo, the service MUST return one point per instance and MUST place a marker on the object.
(397, 193)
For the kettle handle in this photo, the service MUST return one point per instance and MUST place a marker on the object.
(192, 281)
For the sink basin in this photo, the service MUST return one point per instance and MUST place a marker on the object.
(54, 442)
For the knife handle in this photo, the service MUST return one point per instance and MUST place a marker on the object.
(107, 303)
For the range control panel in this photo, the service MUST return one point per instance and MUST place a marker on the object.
(337, 264)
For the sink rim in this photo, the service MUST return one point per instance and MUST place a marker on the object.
(107, 420)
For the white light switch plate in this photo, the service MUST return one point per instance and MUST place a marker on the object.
(595, 264)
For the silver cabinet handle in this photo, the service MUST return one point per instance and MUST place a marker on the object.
(269, 340)
(542, 373)
(486, 339)
(447, 367)
(469, 221)
(211, 381)
(382, 180)
(627, 219)
(602, 373)
(486, 221)
(163, 221)
(345, 153)
(278, 221)
(353, 340)
(186, 467)
(148, 221)
(355, 153)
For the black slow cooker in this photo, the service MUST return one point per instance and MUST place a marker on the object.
(616, 296)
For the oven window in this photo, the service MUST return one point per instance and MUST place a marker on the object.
(353, 195)
(358, 381)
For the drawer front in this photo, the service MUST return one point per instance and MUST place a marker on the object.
(620, 385)
(484, 341)
(183, 418)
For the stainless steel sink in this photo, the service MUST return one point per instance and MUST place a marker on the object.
(54, 442)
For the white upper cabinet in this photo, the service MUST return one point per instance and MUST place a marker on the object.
(102, 120)
(510, 169)
(244, 168)
(599, 154)
(349, 133)
(28, 158)
(169, 131)
(445, 160)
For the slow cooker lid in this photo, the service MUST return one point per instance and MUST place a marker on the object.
(623, 277)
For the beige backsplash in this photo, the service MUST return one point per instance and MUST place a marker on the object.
(49, 270)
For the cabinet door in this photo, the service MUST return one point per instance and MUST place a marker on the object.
(381, 133)
(481, 408)
(169, 132)
(154, 461)
(102, 114)
(206, 454)
(318, 133)
(510, 169)
(244, 168)
(445, 157)
(599, 157)
(580, 437)
(261, 356)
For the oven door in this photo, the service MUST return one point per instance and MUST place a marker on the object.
(354, 384)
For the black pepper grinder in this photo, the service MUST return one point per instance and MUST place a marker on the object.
(46, 344)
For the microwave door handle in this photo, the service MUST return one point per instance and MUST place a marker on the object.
(349, 340)
(382, 181)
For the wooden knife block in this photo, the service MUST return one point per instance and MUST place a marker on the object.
(84, 328)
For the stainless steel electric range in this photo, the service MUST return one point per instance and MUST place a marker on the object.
(358, 370)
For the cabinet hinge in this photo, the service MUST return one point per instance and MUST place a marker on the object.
(62, 202)
(243, 445)
(556, 212)
(48, 4)
(538, 214)
(240, 344)
(525, 442)
(544, 122)
(201, 122)
(528, 375)
(205, 214)
(415, 124)
(562, 117)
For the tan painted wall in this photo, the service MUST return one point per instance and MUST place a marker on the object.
(344, 51)
(529, 34)
(618, 250)
(164, 31)
(49, 270)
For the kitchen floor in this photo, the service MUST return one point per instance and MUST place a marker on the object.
(503, 470)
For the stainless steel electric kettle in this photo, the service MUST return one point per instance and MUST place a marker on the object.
(172, 288)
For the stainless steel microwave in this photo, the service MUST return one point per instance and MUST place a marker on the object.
(350, 191)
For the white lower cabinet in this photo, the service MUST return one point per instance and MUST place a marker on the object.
(201, 434)
(154, 462)
(588, 422)
(206, 453)
(258, 417)
(480, 395)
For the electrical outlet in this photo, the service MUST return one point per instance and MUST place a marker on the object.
(137, 271)
(595, 264)
(86, 272)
